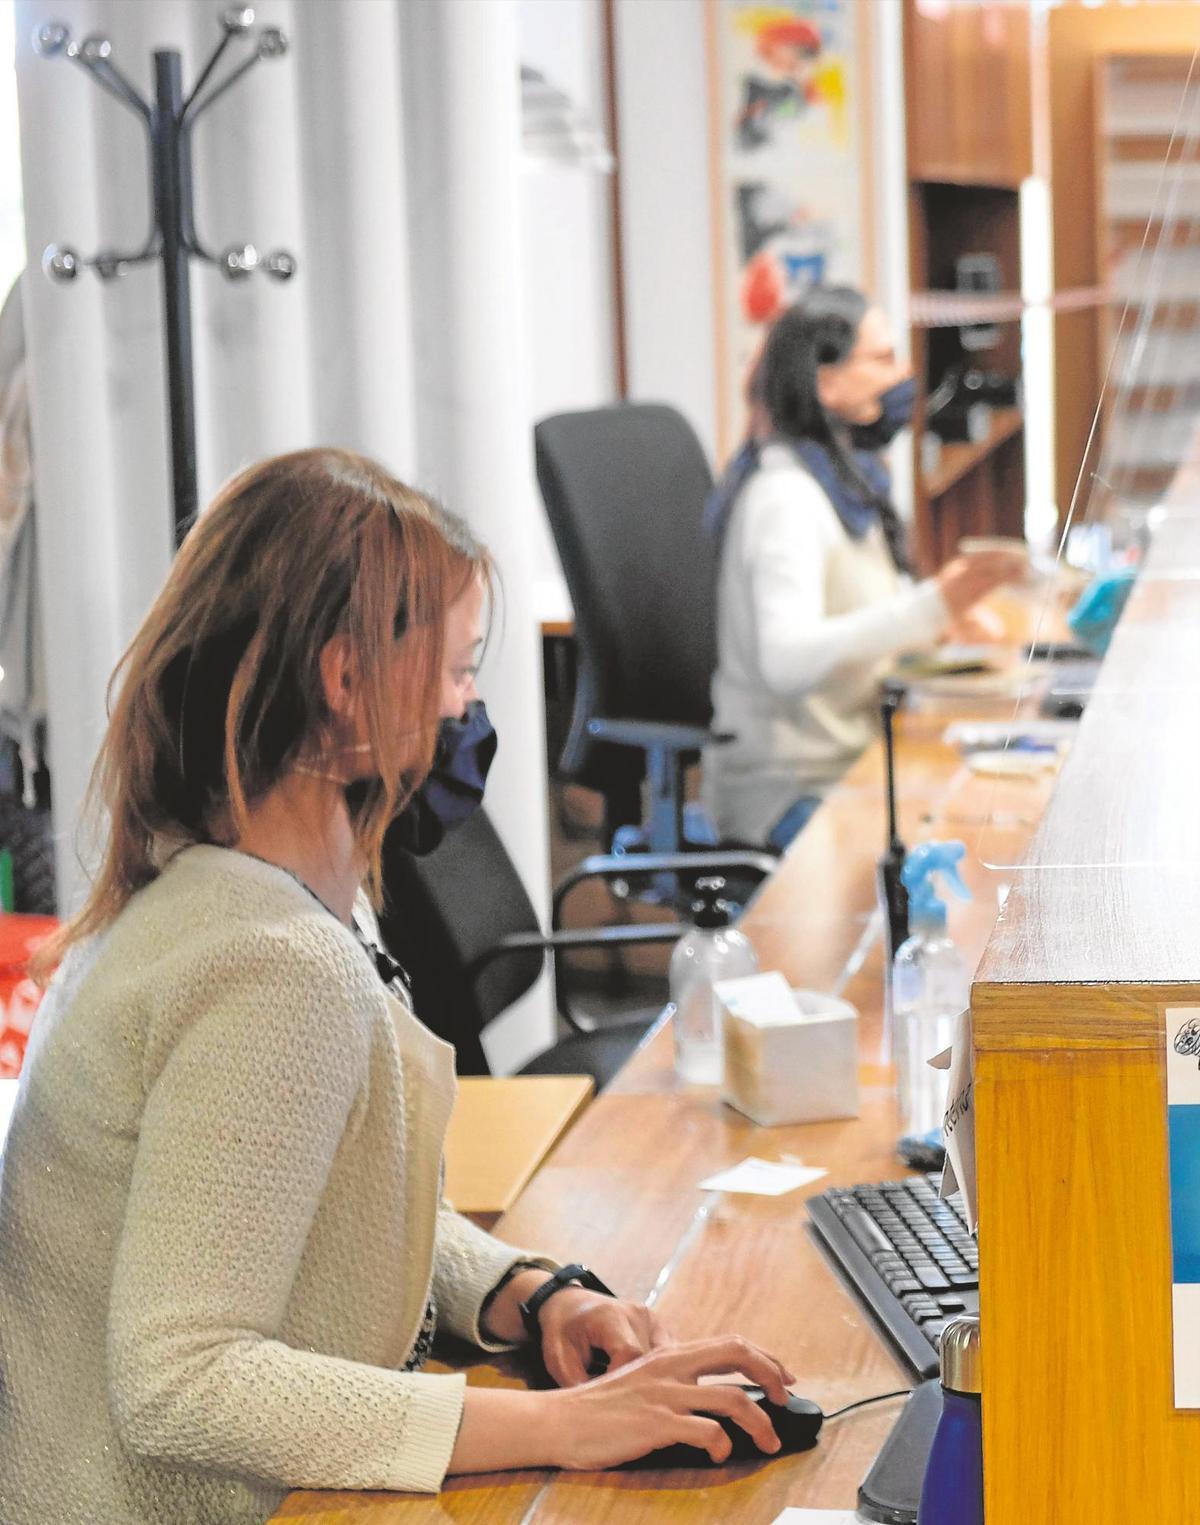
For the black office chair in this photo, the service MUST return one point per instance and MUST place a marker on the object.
(461, 924)
(624, 489)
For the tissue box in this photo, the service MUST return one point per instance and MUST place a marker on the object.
(791, 1056)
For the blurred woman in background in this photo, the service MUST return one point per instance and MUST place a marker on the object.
(815, 592)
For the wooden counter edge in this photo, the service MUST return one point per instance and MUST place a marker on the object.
(1036, 1017)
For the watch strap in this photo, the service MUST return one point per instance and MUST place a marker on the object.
(572, 1275)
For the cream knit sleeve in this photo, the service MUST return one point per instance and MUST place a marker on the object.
(248, 1100)
(467, 1264)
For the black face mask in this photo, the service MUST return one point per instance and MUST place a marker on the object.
(896, 411)
(453, 789)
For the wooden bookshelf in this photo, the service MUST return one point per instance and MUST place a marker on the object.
(955, 461)
(968, 92)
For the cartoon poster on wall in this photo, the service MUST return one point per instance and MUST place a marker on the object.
(788, 176)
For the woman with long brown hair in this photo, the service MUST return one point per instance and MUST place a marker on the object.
(223, 1249)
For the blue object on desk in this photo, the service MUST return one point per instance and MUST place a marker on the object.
(1099, 607)
(953, 1489)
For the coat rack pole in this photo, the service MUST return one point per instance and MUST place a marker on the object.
(173, 238)
(172, 188)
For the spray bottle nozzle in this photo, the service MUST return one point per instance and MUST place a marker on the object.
(918, 878)
(709, 906)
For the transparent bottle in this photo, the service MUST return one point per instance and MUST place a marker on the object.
(712, 951)
(930, 989)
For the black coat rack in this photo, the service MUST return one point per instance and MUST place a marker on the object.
(172, 238)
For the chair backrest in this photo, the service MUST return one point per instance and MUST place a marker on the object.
(441, 913)
(624, 489)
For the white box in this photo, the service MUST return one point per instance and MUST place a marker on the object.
(791, 1056)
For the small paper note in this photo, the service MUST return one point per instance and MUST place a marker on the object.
(973, 734)
(817, 1517)
(762, 1178)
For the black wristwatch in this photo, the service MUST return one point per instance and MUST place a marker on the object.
(569, 1275)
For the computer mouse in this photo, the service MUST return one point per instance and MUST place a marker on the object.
(797, 1423)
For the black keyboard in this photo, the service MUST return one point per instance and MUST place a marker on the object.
(909, 1256)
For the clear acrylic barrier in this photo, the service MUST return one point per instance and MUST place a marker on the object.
(1135, 513)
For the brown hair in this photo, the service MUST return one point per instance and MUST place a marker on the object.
(220, 691)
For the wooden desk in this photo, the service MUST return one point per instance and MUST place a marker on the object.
(502, 1128)
(619, 1192)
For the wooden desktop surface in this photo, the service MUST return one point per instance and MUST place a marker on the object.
(619, 1192)
(501, 1129)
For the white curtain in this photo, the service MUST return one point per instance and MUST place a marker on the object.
(382, 151)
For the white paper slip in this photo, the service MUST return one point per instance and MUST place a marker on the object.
(970, 734)
(817, 1517)
(762, 1178)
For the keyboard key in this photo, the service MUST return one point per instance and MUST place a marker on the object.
(866, 1233)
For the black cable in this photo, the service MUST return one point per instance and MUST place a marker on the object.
(901, 1392)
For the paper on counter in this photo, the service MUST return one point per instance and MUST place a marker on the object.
(762, 1178)
(958, 1125)
(970, 734)
(817, 1517)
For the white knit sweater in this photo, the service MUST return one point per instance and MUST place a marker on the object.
(808, 621)
(220, 1219)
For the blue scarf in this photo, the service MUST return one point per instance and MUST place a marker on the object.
(857, 509)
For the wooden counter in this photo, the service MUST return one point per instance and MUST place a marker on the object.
(619, 1191)
(1100, 932)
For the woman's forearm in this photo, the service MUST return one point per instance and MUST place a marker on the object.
(796, 657)
(505, 1429)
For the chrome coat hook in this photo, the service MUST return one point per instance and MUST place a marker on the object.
(172, 238)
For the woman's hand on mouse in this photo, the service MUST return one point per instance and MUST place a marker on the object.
(967, 579)
(658, 1400)
(577, 1323)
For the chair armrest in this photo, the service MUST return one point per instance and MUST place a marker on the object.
(628, 865)
(631, 935)
(653, 733)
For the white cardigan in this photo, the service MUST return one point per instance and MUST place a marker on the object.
(808, 621)
(220, 1218)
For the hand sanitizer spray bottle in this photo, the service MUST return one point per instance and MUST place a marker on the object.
(930, 988)
(952, 1493)
(713, 950)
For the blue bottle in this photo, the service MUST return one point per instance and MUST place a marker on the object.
(952, 1493)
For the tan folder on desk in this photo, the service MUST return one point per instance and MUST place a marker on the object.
(501, 1130)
